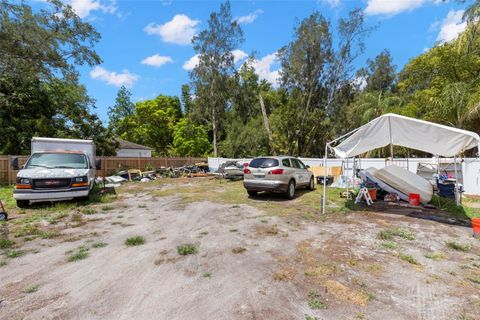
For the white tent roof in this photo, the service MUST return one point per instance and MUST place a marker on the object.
(412, 133)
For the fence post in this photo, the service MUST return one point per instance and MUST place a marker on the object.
(9, 162)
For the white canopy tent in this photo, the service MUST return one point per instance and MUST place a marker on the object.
(393, 129)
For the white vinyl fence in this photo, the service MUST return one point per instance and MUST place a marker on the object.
(469, 173)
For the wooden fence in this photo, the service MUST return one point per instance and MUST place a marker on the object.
(110, 165)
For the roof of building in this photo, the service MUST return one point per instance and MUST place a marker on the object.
(123, 144)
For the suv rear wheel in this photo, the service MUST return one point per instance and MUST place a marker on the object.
(311, 184)
(290, 190)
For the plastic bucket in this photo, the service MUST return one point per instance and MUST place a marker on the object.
(476, 226)
(373, 194)
(414, 199)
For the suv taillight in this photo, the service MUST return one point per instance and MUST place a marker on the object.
(276, 171)
(246, 171)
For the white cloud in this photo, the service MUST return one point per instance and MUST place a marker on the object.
(451, 26)
(263, 68)
(391, 7)
(333, 3)
(191, 63)
(239, 55)
(125, 78)
(157, 60)
(179, 30)
(250, 17)
(83, 8)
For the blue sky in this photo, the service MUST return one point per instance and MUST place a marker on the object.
(145, 45)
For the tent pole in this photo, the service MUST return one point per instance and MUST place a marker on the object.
(457, 202)
(324, 179)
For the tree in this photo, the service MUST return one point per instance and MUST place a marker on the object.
(211, 77)
(379, 73)
(39, 90)
(154, 122)
(190, 139)
(122, 109)
(187, 100)
(315, 73)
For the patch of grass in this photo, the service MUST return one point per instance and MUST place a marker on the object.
(436, 255)
(316, 304)
(408, 258)
(186, 249)
(89, 211)
(264, 221)
(6, 243)
(49, 234)
(26, 230)
(15, 253)
(203, 233)
(474, 279)
(285, 274)
(80, 254)
(307, 317)
(107, 208)
(142, 206)
(233, 230)
(238, 250)
(3, 262)
(389, 234)
(99, 245)
(345, 293)
(458, 246)
(135, 241)
(31, 289)
(207, 275)
(389, 244)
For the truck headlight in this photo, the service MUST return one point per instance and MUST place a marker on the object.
(23, 181)
(79, 179)
(80, 182)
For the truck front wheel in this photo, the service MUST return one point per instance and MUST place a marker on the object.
(22, 204)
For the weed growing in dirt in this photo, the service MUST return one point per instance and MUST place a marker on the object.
(135, 241)
(238, 250)
(436, 255)
(389, 245)
(89, 211)
(15, 253)
(142, 206)
(233, 230)
(264, 221)
(3, 262)
(107, 208)
(474, 279)
(203, 233)
(307, 317)
(389, 234)
(457, 246)
(186, 249)
(80, 254)
(99, 245)
(316, 304)
(49, 234)
(5, 243)
(31, 289)
(207, 275)
(408, 258)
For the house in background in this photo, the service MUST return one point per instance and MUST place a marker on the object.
(129, 149)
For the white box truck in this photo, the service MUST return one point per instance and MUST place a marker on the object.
(57, 169)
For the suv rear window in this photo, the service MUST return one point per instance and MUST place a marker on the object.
(263, 163)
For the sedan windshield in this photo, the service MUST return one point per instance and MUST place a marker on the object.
(57, 160)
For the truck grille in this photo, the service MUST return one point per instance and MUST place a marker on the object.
(51, 183)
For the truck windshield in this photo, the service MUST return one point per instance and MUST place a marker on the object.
(57, 160)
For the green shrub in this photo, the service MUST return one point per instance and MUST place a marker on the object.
(135, 241)
(186, 249)
(5, 243)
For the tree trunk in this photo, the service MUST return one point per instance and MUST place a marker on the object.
(266, 123)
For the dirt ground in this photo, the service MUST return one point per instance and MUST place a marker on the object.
(250, 264)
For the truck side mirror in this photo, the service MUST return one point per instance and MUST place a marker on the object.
(15, 164)
(98, 164)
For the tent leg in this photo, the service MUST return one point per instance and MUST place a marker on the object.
(324, 179)
(457, 196)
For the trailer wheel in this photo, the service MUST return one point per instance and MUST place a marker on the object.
(3, 216)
